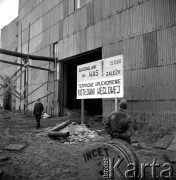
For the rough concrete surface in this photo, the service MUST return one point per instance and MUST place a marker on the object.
(51, 159)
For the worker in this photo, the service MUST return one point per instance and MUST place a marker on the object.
(38, 109)
(118, 124)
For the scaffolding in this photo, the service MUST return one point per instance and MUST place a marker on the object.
(24, 69)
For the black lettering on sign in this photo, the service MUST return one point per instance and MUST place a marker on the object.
(100, 151)
(96, 152)
(93, 73)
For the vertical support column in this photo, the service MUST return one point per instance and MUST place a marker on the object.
(82, 111)
(116, 104)
(27, 76)
(21, 70)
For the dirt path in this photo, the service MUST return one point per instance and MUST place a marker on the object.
(44, 158)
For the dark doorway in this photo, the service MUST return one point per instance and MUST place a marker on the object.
(92, 106)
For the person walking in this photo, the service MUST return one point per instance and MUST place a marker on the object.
(38, 109)
(119, 124)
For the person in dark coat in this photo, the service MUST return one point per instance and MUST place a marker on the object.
(38, 109)
(119, 124)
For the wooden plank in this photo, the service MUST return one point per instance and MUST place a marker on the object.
(97, 10)
(90, 38)
(106, 7)
(106, 31)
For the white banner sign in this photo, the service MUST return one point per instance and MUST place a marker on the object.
(101, 79)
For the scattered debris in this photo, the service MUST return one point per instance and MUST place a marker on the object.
(45, 116)
(172, 146)
(79, 133)
(164, 142)
(61, 126)
(3, 158)
(170, 156)
(15, 147)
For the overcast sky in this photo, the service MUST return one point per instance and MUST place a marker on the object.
(8, 11)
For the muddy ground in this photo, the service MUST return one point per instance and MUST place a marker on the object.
(48, 159)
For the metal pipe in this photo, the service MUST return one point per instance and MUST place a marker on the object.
(25, 56)
(22, 65)
(61, 126)
(58, 134)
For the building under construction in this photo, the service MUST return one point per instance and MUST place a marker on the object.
(74, 32)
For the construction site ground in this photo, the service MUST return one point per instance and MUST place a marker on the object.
(44, 158)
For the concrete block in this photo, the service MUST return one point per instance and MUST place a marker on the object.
(15, 147)
(164, 142)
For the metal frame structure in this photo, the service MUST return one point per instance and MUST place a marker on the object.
(24, 94)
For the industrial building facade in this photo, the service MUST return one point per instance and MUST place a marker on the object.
(75, 32)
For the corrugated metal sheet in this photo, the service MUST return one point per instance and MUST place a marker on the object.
(60, 47)
(71, 6)
(70, 46)
(90, 38)
(83, 23)
(78, 43)
(98, 35)
(71, 24)
(116, 48)
(83, 41)
(106, 7)
(106, 52)
(172, 7)
(106, 31)
(65, 8)
(162, 13)
(90, 13)
(150, 49)
(97, 10)
(166, 45)
(65, 48)
(65, 27)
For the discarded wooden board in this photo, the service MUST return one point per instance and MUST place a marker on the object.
(164, 142)
(171, 156)
(172, 146)
(15, 147)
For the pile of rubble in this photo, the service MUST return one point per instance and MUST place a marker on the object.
(75, 133)
(79, 133)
